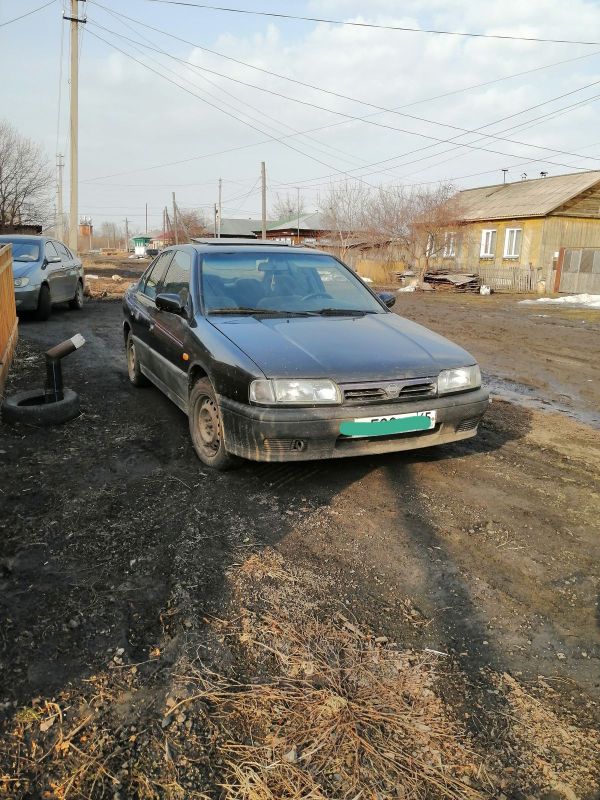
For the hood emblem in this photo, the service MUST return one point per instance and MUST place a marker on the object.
(392, 390)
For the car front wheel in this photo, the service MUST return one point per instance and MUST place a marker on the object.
(206, 428)
(136, 376)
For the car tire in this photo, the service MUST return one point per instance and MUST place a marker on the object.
(44, 306)
(136, 376)
(77, 302)
(206, 427)
(29, 407)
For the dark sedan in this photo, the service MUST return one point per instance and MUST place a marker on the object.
(281, 353)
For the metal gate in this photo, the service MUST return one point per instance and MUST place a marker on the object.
(578, 271)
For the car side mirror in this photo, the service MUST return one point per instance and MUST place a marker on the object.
(169, 302)
(53, 260)
(387, 298)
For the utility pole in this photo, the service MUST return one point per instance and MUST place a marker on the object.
(146, 217)
(298, 209)
(263, 179)
(175, 219)
(74, 165)
(220, 209)
(215, 221)
(60, 163)
(126, 235)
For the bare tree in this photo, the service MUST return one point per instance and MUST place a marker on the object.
(421, 223)
(25, 180)
(287, 207)
(346, 212)
(191, 223)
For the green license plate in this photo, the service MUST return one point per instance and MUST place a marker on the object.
(384, 426)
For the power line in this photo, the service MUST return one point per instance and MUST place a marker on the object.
(213, 105)
(318, 128)
(262, 114)
(28, 14)
(363, 102)
(320, 88)
(436, 139)
(280, 15)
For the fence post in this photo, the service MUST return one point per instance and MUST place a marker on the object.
(8, 313)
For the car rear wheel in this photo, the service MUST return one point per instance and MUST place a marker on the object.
(206, 428)
(136, 376)
(77, 302)
(44, 305)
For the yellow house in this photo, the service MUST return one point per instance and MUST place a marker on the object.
(531, 223)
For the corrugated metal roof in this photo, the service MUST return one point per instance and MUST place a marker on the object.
(240, 227)
(308, 222)
(535, 198)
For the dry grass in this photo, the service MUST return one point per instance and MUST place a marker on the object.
(336, 713)
(309, 707)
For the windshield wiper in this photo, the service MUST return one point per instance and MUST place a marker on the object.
(342, 312)
(271, 312)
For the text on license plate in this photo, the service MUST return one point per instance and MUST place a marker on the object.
(390, 424)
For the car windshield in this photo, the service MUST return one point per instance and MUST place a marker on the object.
(249, 282)
(23, 251)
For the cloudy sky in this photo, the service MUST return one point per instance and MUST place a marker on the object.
(160, 113)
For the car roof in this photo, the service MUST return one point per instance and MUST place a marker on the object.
(24, 237)
(239, 245)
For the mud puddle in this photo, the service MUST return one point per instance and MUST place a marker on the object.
(529, 397)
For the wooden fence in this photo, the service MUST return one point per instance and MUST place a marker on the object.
(8, 313)
(510, 279)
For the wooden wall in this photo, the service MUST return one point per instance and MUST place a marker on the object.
(8, 314)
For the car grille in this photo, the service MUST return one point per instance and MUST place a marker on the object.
(388, 391)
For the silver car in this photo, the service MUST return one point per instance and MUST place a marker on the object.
(45, 272)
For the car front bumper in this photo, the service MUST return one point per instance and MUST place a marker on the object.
(303, 434)
(26, 299)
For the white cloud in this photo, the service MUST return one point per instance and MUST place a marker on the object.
(131, 118)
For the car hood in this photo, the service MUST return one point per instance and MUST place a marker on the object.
(373, 347)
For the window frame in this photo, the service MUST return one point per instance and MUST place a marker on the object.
(488, 253)
(50, 243)
(450, 242)
(161, 284)
(154, 265)
(507, 236)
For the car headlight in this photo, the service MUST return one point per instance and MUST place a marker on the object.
(459, 380)
(20, 282)
(295, 392)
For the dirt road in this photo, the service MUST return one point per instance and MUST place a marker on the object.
(116, 541)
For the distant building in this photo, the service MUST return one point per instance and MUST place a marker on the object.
(242, 228)
(305, 229)
(549, 223)
(140, 243)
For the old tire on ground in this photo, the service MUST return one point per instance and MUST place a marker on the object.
(136, 376)
(44, 306)
(206, 428)
(29, 408)
(77, 302)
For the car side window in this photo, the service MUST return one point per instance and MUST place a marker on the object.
(150, 284)
(177, 277)
(51, 251)
(63, 252)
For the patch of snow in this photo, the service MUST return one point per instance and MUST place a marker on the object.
(584, 300)
(407, 289)
(365, 280)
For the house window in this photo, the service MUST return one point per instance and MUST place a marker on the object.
(512, 242)
(488, 244)
(450, 245)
